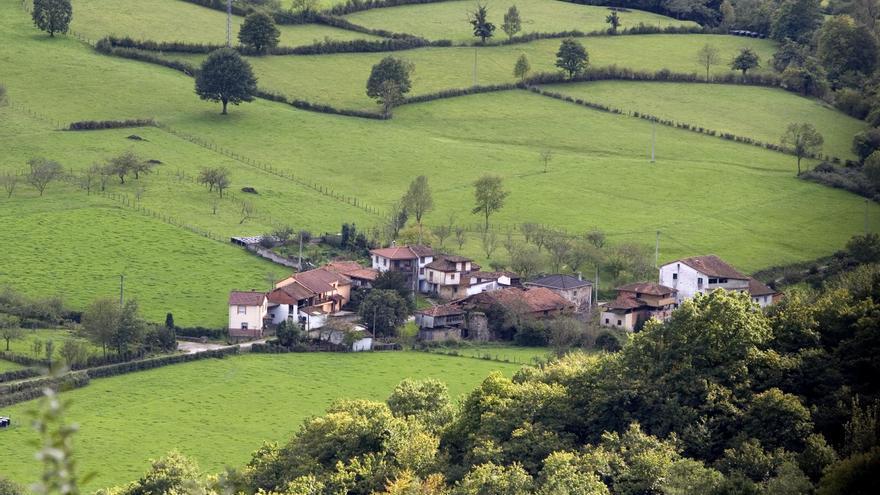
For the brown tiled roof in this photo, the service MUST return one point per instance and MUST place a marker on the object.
(442, 310)
(649, 288)
(624, 303)
(712, 266)
(241, 298)
(290, 294)
(320, 280)
(538, 299)
(422, 250)
(757, 288)
(446, 263)
(395, 253)
(559, 281)
(352, 269)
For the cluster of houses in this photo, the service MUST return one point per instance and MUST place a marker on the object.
(313, 298)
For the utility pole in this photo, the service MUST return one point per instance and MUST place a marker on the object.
(121, 289)
(228, 23)
(657, 251)
(653, 138)
(597, 284)
(475, 67)
(300, 250)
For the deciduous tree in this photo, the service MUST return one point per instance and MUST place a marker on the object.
(613, 20)
(9, 182)
(489, 195)
(52, 16)
(382, 311)
(708, 56)
(9, 328)
(847, 51)
(100, 321)
(512, 22)
(483, 29)
(796, 20)
(389, 81)
(43, 172)
(226, 77)
(258, 32)
(572, 57)
(745, 60)
(418, 200)
(522, 67)
(803, 139)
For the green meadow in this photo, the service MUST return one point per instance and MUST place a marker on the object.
(757, 112)
(8, 365)
(219, 411)
(175, 20)
(449, 20)
(340, 79)
(58, 336)
(743, 203)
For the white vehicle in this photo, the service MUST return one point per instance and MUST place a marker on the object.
(5, 422)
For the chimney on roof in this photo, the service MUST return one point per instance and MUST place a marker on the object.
(393, 243)
(580, 276)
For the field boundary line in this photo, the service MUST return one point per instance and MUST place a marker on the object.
(270, 169)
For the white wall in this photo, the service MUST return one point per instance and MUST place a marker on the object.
(627, 321)
(688, 285)
(283, 312)
(253, 316)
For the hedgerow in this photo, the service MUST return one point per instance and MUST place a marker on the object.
(12, 375)
(352, 6)
(92, 125)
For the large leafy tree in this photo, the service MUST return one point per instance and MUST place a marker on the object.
(803, 139)
(613, 20)
(382, 311)
(389, 80)
(479, 19)
(100, 320)
(489, 196)
(846, 50)
(258, 32)
(796, 20)
(227, 78)
(572, 57)
(52, 16)
(746, 60)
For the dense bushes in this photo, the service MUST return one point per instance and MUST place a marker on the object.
(319, 107)
(358, 46)
(146, 364)
(22, 359)
(849, 178)
(106, 47)
(92, 125)
(198, 332)
(161, 46)
(13, 393)
(21, 374)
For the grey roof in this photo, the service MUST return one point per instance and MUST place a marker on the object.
(559, 281)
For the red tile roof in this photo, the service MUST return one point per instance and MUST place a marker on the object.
(624, 303)
(712, 266)
(352, 269)
(442, 310)
(290, 294)
(403, 252)
(320, 280)
(537, 299)
(757, 288)
(250, 298)
(446, 263)
(649, 288)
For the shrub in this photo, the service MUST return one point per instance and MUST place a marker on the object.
(20, 374)
(91, 125)
(608, 341)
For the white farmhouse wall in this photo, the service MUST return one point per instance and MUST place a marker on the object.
(252, 315)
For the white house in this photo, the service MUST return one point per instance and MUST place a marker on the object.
(703, 274)
(409, 260)
(248, 313)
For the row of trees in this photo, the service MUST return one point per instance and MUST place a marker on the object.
(119, 328)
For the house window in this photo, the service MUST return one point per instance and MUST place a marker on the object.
(674, 276)
(618, 322)
(242, 310)
(713, 280)
(606, 321)
(421, 271)
(385, 262)
(700, 281)
(722, 280)
(244, 325)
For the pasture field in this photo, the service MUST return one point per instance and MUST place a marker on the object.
(57, 335)
(206, 409)
(449, 20)
(511, 353)
(340, 79)
(599, 176)
(175, 20)
(757, 112)
(81, 246)
(8, 365)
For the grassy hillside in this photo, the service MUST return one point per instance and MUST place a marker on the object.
(761, 113)
(219, 411)
(175, 20)
(449, 20)
(340, 79)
